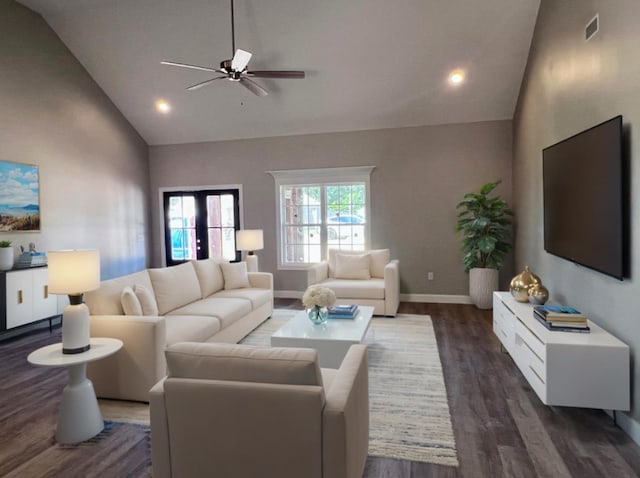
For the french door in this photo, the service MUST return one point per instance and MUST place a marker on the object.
(201, 224)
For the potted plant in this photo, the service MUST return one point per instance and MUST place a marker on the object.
(6, 256)
(485, 223)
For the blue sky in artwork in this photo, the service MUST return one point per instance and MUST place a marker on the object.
(18, 185)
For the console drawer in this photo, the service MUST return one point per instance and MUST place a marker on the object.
(533, 342)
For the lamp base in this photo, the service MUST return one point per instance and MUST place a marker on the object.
(252, 263)
(75, 329)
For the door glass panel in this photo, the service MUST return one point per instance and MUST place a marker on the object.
(213, 211)
(182, 221)
(227, 210)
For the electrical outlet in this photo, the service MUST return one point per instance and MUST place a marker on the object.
(430, 275)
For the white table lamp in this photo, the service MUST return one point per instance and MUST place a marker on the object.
(250, 240)
(73, 273)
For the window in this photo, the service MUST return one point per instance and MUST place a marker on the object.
(321, 209)
(201, 224)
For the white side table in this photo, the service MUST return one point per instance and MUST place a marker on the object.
(80, 417)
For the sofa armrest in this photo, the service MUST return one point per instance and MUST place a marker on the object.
(160, 458)
(391, 288)
(130, 373)
(261, 280)
(317, 273)
(345, 419)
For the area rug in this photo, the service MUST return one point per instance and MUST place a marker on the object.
(409, 413)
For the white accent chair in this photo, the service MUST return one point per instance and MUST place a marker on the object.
(241, 411)
(361, 277)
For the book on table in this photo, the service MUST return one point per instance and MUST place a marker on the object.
(559, 311)
(562, 326)
(343, 311)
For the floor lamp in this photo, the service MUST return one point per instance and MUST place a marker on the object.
(73, 273)
(250, 240)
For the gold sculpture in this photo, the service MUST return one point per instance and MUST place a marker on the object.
(521, 284)
(538, 294)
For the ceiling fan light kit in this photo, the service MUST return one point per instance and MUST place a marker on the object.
(235, 69)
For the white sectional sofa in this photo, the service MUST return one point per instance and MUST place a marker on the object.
(198, 301)
(361, 277)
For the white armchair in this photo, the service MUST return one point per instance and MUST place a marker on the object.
(361, 277)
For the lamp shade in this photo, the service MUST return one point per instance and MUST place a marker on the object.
(249, 240)
(73, 272)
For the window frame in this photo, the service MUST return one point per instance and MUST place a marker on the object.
(320, 177)
(187, 190)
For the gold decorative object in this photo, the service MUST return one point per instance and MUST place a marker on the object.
(521, 283)
(538, 294)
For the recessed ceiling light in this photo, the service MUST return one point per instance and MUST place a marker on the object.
(162, 106)
(456, 77)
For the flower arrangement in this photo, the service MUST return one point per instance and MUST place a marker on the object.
(318, 296)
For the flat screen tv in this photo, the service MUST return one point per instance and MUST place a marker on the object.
(583, 198)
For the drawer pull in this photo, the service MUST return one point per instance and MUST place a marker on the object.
(19, 297)
(46, 291)
(503, 332)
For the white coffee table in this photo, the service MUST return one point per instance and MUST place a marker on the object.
(331, 340)
(79, 418)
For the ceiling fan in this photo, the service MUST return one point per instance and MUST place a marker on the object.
(235, 69)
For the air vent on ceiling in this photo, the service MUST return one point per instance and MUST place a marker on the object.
(592, 28)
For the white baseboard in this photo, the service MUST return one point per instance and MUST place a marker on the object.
(429, 298)
(628, 424)
(288, 294)
(436, 298)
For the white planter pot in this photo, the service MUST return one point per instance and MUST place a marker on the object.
(482, 283)
(6, 258)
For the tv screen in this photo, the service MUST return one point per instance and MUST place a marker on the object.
(583, 198)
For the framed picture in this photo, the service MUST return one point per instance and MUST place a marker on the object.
(19, 197)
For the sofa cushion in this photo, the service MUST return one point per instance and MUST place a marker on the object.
(379, 259)
(130, 303)
(356, 289)
(105, 300)
(257, 297)
(352, 266)
(235, 275)
(147, 300)
(227, 310)
(185, 328)
(244, 363)
(210, 275)
(175, 286)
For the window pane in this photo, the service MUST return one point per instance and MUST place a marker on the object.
(227, 211)
(229, 243)
(215, 242)
(213, 211)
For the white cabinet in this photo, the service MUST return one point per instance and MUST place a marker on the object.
(26, 298)
(564, 368)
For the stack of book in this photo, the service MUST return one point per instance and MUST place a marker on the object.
(343, 312)
(561, 318)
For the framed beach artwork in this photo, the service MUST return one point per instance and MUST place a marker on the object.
(19, 197)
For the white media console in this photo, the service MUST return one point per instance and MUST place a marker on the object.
(590, 370)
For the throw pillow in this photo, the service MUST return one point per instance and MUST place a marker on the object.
(130, 303)
(379, 259)
(353, 266)
(147, 300)
(235, 275)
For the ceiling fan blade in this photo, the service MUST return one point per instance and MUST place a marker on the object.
(253, 87)
(194, 67)
(205, 83)
(240, 60)
(277, 74)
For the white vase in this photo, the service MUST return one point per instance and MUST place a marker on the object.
(6, 258)
(482, 283)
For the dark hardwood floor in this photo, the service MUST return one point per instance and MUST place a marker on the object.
(501, 427)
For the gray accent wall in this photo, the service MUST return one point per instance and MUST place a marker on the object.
(571, 85)
(94, 168)
(420, 174)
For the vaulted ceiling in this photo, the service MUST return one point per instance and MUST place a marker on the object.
(370, 63)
